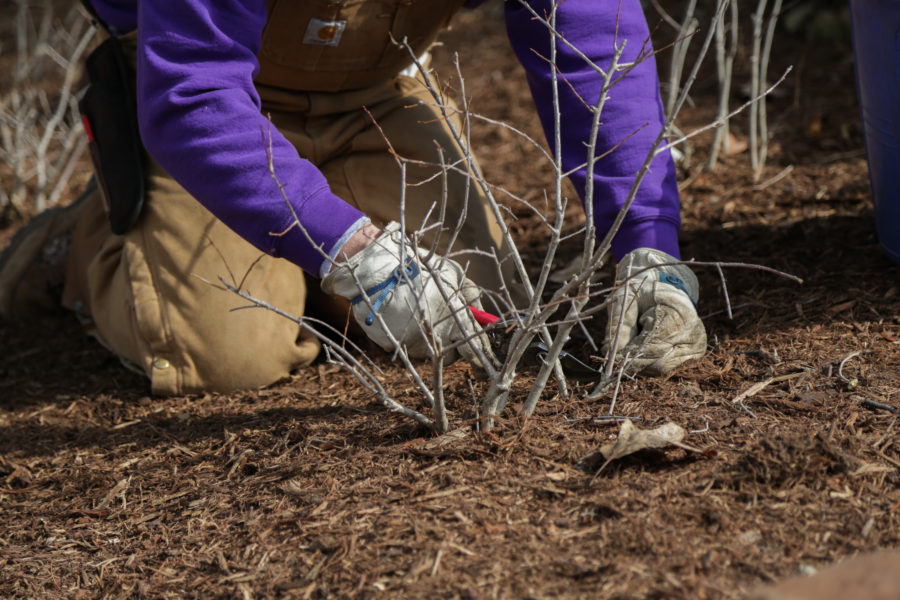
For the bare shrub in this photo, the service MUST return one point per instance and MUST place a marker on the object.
(579, 298)
(41, 137)
(727, 27)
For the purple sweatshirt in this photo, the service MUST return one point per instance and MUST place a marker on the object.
(200, 118)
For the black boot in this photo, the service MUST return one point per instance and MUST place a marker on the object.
(33, 266)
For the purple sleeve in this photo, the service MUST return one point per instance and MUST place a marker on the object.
(632, 116)
(118, 14)
(200, 118)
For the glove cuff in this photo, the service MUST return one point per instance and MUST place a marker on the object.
(677, 275)
(372, 265)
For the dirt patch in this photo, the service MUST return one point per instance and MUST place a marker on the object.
(309, 489)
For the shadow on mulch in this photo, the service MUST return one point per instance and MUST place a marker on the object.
(37, 439)
(846, 276)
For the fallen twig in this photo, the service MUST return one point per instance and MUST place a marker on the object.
(603, 419)
(893, 461)
(23, 490)
(773, 180)
(758, 387)
(879, 405)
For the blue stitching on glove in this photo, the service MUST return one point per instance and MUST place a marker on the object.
(385, 287)
(676, 281)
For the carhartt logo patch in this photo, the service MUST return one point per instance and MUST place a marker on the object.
(324, 33)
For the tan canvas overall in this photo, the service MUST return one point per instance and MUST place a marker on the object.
(147, 293)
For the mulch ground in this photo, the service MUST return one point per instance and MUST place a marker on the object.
(309, 489)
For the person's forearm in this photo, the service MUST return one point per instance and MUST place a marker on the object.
(200, 119)
(631, 120)
(362, 238)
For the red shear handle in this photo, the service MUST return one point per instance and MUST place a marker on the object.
(484, 318)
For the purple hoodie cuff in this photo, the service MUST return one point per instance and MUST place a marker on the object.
(327, 219)
(332, 254)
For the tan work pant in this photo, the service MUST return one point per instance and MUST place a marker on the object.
(151, 295)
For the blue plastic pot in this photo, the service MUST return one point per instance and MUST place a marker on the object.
(876, 46)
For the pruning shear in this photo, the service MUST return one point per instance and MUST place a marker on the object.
(499, 343)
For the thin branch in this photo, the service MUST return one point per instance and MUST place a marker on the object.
(348, 361)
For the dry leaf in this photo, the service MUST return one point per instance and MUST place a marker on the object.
(447, 439)
(733, 145)
(631, 439)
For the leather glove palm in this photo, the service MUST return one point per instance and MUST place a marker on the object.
(410, 304)
(655, 313)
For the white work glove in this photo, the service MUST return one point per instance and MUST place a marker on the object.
(410, 305)
(659, 303)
